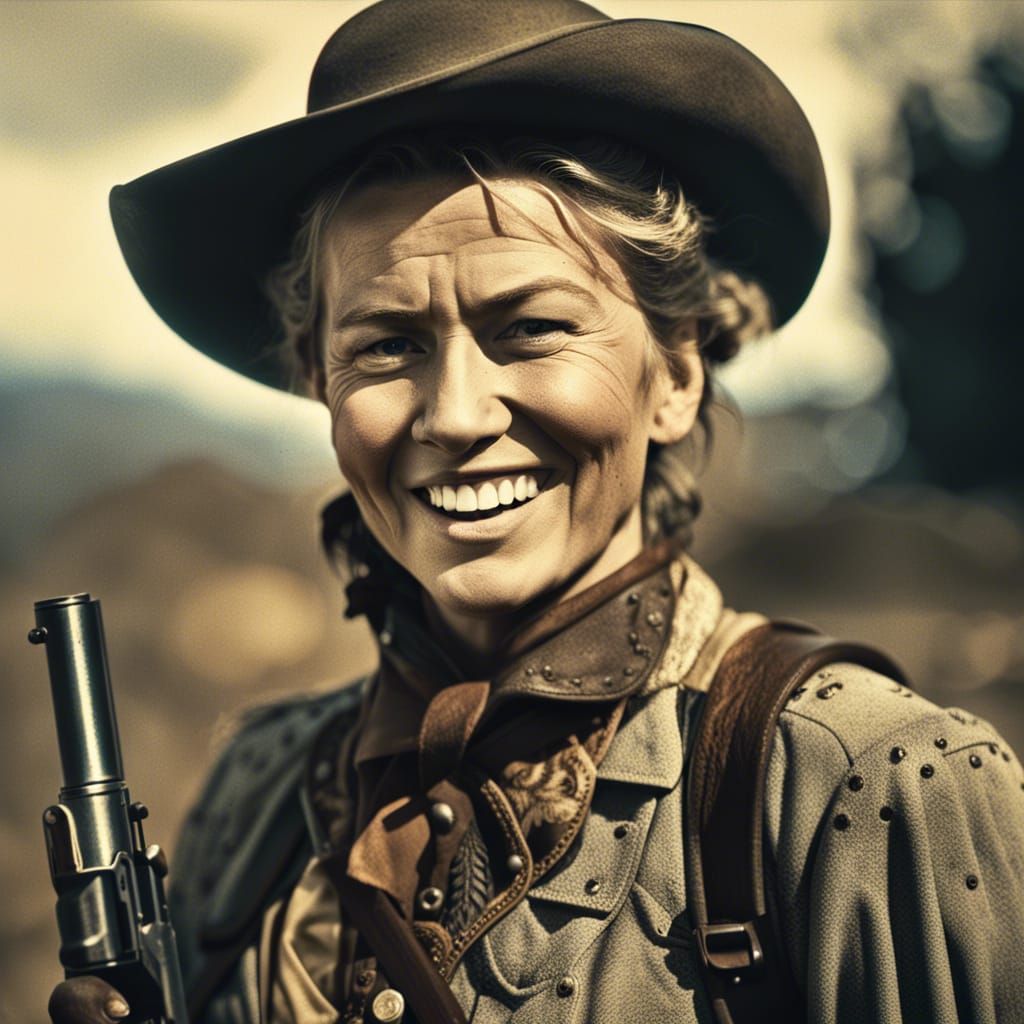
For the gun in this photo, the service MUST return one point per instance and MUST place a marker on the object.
(111, 912)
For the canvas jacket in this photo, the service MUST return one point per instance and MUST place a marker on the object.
(895, 835)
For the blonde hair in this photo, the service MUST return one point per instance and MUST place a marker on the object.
(638, 211)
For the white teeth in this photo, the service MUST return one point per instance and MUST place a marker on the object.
(484, 496)
(465, 499)
(487, 497)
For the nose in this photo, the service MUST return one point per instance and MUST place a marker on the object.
(462, 407)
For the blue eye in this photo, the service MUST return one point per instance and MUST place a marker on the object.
(388, 347)
(533, 328)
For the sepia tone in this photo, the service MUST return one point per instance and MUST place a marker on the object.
(854, 489)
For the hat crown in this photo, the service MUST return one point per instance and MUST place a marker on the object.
(394, 43)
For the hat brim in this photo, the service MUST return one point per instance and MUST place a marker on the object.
(200, 235)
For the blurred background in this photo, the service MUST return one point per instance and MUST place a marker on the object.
(869, 478)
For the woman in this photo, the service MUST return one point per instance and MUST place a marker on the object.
(502, 283)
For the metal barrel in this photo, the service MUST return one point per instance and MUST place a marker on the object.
(72, 630)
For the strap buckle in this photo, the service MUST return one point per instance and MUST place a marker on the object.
(733, 947)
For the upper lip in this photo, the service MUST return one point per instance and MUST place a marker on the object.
(454, 479)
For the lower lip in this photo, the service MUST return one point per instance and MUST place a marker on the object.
(477, 530)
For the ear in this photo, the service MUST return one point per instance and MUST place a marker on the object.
(678, 395)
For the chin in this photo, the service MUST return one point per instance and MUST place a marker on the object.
(482, 591)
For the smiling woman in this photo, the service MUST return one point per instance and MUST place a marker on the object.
(576, 787)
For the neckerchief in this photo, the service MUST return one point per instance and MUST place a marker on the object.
(463, 793)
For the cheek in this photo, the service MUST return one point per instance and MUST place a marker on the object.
(367, 426)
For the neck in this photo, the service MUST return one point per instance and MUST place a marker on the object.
(476, 641)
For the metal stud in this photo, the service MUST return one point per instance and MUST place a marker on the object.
(942, 743)
(633, 597)
(514, 863)
(628, 671)
(576, 681)
(548, 673)
(886, 814)
(621, 831)
(841, 822)
(592, 886)
(655, 619)
(388, 1006)
(442, 817)
(386, 638)
(856, 782)
(897, 754)
(975, 761)
(430, 900)
(927, 771)
(530, 670)
(971, 881)
(828, 691)
(633, 637)
(607, 680)
(993, 749)
(798, 693)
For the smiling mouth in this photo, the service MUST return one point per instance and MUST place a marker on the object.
(482, 499)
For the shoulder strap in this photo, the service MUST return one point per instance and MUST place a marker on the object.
(744, 970)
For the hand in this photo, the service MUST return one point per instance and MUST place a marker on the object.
(86, 1000)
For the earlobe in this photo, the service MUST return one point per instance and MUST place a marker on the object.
(676, 412)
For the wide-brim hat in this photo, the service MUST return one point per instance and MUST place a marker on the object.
(201, 234)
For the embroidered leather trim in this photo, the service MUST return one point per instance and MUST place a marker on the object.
(505, 901)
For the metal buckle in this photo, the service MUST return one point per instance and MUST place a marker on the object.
(733, 947)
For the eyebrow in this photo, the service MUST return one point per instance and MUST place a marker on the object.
(509, 297)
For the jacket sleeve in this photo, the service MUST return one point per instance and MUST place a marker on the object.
(896, 833)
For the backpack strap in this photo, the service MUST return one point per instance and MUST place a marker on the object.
(744, 969)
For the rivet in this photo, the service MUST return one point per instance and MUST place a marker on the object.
(642, 650)
(388, 1006)
(856, 782)
(971, 881)
(632, 638)
(633, 597)
(430, 900)
(442, 816)
(531, 671)
(1006, 756)
(385, 637)
(993, 749)
(607, 680)
(885, 814)
(620, 831)
(828, 691)
(841, 822)
(548, 672)
(514, 863)
(592, 886)
(798, 693)
(566, 987)
(927, 771)
(628, 671)
(942, 743)
(897, 754)
(736, 980)
(975, 761)
(654, 619)
(576, 681)
(365, 978)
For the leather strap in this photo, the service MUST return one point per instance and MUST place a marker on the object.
(399, 952)
(745, 971)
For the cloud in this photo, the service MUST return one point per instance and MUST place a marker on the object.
(80, 73)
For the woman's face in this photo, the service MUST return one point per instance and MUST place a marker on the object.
(486, 384)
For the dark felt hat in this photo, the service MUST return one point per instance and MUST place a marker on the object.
(200, 235)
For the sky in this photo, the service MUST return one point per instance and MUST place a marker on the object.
(97, 93)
